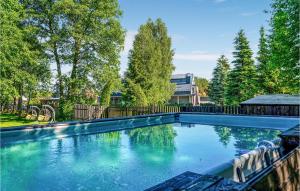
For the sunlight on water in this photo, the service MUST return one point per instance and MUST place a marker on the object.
(125, 160)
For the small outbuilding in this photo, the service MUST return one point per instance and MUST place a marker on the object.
(277, 104)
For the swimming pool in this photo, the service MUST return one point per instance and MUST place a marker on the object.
(132, 159)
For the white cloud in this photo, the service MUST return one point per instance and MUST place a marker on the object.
(129, 38)
(196, 56)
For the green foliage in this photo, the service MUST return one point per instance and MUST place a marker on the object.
(154, 144)
(241, 81)
(245, 139)
(218, 83)
(224, 134)
(134, 95)
(158, 137)
(22, 61)
(202, 85)
(267, 82)
(66, 109)
(150, 63)
(87, 35)
(284, 46)
(106, 93)
(7, 91)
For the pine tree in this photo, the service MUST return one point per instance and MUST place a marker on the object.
(216, 90)
(150, 62)
(267, 79)
(284, 45)
(241, 83)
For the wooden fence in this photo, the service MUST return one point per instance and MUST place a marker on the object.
(276, 110)
(233, 110)
(86, 112)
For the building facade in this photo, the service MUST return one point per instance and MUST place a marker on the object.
(186, 90)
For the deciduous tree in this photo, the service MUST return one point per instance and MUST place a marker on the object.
(86, 35)
(150, 62)
(22, 63)
(202, 85)
(284, 45)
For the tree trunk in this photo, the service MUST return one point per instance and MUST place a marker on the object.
(20, 101)
(75, 59)
(59, 74)
(28, 101)
(74, 73)
(14, 105)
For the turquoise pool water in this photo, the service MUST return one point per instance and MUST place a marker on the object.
(123, 160)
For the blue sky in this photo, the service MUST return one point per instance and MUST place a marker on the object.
(201, 30)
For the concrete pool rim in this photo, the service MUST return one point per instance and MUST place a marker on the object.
(175, 114)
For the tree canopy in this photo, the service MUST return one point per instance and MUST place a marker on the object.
(202, 84)
(150, 63)
(218, 82)
(284, 45)
(23, 67)
(241, 81)
(85, 35)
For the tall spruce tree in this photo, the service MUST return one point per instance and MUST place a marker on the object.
(216, 88)
(284, 45)
(150, 63)
(267, 81)
(241, 82)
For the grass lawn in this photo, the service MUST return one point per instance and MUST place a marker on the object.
(9, 120)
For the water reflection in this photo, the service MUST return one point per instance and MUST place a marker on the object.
(110, 145)
(224, 134)
(31, 155)
(154, 144)
(123, 160)
(245, 138)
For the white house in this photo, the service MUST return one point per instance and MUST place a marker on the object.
(186, 90)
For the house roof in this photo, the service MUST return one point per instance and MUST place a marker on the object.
(116, 94)
(276, 99)
(179, 76)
